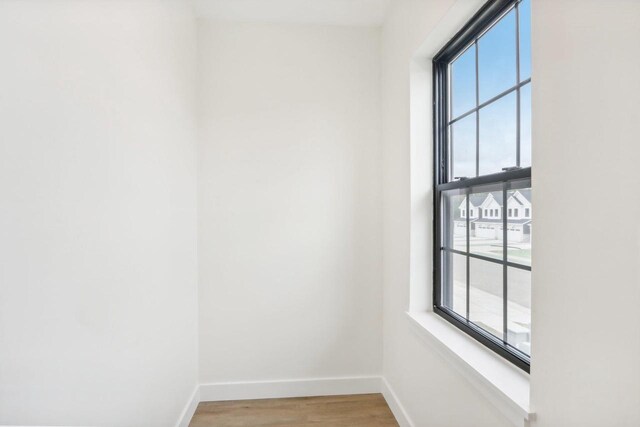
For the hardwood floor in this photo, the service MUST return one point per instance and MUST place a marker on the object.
(362, 410)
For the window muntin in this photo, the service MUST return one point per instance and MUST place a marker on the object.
(483, 159)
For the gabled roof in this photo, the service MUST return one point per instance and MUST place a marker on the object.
(479, 199)
(518, 201)
(497, 195)
(526, 193)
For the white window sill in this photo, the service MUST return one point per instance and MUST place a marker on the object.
(505, 385)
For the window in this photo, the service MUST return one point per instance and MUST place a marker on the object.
(482, 153)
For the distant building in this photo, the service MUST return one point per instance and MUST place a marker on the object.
(485, 216)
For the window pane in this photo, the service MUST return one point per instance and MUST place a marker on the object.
(463, 147)
(498, 135)
(525, 125)
(497, 58)
(519, 309)
(486, 234)
(519, 225)
(524, 10)
(485, 295)
(463, 83)
(485, 257)
(454, 233)
(454, 295)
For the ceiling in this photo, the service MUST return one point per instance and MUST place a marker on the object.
(329, 12)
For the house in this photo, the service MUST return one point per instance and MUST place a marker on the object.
(486, 219)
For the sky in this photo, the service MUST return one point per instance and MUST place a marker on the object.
(497, 72)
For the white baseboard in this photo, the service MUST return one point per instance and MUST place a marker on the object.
(289, 388)
(394, 404)
(190, 408)
(294, 388)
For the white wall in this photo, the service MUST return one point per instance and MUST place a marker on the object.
(98, 268)
(586, 259)
(290, 200)
(98, 264)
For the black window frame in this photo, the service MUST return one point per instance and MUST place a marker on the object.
(483, 20)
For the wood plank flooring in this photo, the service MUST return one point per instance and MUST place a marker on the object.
(361, 410)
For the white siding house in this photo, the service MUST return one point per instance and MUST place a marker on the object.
(485, 216)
